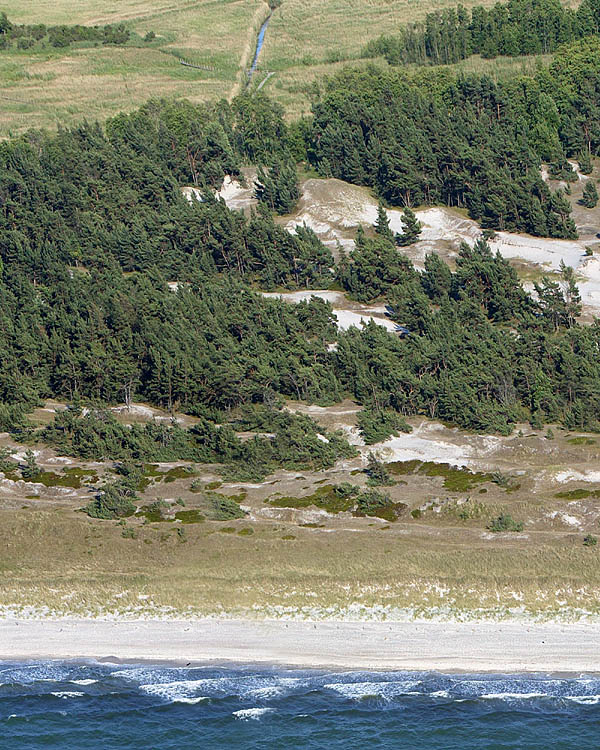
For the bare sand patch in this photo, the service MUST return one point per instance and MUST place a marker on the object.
(347, 313)
(334, 210)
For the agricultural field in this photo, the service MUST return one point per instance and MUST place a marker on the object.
(304, 40)
(51, 87)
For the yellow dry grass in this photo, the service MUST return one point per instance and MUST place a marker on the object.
(51, 87)
(73, 564)
(315, 31)
(89, 12)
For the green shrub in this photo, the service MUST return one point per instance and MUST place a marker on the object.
(590, 541)
(508, 483)
(374, 503)
(7, 465)
(31, 470)
(189, 516)
(377, 473)
(505, 522)
(224, 508)
(376, 425)
(154, 511)
(113, 501)
(331, 498)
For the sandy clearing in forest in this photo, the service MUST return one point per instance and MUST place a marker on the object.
(348, 314)
(429, 441)
(334, 209)
(336, 298)
(236, 195)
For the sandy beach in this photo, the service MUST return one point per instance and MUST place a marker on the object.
(469, 647)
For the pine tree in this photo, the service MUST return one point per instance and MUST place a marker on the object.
(31, 469)
(382, 225)
(584, 161)
(412, 229)
(278, 186)
(571, 294)
(590, 195)
(378, 473)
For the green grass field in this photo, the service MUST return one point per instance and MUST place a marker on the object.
(305, 40)
(45, 88)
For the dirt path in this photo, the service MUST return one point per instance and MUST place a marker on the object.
(259, 17)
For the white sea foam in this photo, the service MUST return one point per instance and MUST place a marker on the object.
(586, 700)
(178, 692)
(247, 714)
(271, 691)
(68, 694)
(386, 690)
(191, 701)
(83, 682)
(512, 696)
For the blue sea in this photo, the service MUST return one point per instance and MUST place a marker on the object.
(104, 706)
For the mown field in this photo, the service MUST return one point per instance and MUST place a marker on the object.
(305, 40)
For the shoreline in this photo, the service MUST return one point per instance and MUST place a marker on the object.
(413, 646)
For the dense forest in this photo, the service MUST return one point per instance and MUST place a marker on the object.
(94, 226)
(516, 27)
(467, 141)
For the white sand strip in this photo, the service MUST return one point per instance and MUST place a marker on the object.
(470, 647)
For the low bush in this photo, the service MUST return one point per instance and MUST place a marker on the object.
(505, 522)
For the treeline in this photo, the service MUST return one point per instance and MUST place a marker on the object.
(466, 141)
(481, 353)
(516, 27)
(293, 441)
(25, 36)
(108, 338)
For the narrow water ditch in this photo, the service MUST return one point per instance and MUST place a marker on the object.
(259, 44)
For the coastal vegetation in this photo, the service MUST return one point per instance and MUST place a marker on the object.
(127, 282)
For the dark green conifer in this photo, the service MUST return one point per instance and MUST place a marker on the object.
(382, 225)
(411, 228)
(590, 194)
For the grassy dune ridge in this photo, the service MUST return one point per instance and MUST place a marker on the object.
(71, 564)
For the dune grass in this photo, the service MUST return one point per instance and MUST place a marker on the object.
(70, 563)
